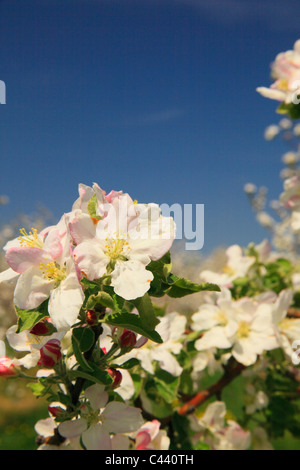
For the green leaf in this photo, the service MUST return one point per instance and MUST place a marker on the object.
(77, 337)
(36, 388)
(146, 312)
(85, 337)
(127, 364)
(134, 323)
(93, 208)
(166, 385)
(27, 319)
(98, 376)
(102, 298)
(181, 287)
(293, 110)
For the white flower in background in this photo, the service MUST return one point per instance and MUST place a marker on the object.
(126, 240)
(271, 132)
(255, 400)
(100, 418)
(150, 437)
(218, 433)
(171, 329)
(237, 266)
(286, 73)
(219, 321)
(245, 325)
(287, 329)
(205, 360)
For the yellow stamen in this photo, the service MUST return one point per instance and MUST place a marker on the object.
(53, 272)
(243, 330)
(116, 248)
(31, 239)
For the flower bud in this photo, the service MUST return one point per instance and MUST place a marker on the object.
(50, 353)
(7, 369)
(55, 410)
(91, 317)
(43, 328)
(127, 339)
(116, 376)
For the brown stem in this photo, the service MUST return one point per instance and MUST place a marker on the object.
(232, 370)
(293, 313)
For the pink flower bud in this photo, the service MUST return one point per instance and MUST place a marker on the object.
(7, 368)
(117, 377)
(91, 317)
(50, 353)
(127, 339)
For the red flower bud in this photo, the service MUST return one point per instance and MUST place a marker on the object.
(117, 377)
(50, 353)
(127, 339)
(91, 317)
(42, 328)
(7, 368)
(55, 410)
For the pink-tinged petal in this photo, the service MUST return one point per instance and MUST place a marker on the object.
(73, 428)
(85, 194)
(32, 289)
(91, 259)
(52, 244)
(118, 417)
(131, 280)
(82, 228)
(97, 396)
(151, 427)
(143, 439)
(96, 438)
(22, 258)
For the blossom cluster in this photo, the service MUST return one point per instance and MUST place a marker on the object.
(120, 371)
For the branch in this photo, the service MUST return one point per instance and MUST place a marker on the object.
(293, 313)
(232, 370)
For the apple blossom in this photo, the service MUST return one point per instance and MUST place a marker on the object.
(286, 72)
(98, 419)
(237, 266)
(125, 242)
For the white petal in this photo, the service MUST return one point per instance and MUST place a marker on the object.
(73, 428)
(97, 396)
(65, 302)
(32, 289)
(96, 438)
(131, 280)
(118, 417)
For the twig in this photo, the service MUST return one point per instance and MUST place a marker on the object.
(232, 370)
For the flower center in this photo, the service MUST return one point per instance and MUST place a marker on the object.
(222, 319)
(243, 330)
(31, 239)
(117, 248)
(53, 272)
(228, 270)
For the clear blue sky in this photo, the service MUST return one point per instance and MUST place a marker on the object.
(155, 97)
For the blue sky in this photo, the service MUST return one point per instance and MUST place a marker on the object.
(153, 97)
